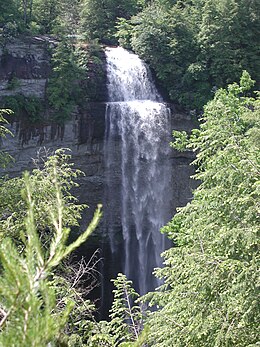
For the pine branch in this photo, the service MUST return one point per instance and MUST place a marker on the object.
(84, 236)
(30, 315)
(127, 296)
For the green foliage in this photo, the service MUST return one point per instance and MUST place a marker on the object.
(98, 19)
(40, 16)
(26, 107)
(124, 29)
(44, 192)
(5, 158)
(125, 314)
(77, 74)
(211, 275)
(7, 11)
(63, 81)
(3, 130)
(126, 319)
(29, 310)
(94, 19)
(45, 14)
(10, 18)
(197, 46)
(225, 46)
(7, 32)
(13, 83)
(98, 335)
(194, 47)
(90, 63)
(56, 17)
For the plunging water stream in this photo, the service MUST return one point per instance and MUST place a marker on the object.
(136, 151)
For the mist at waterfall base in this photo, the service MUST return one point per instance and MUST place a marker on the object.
(137, 173)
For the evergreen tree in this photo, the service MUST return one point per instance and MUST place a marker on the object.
(13, 206)
(8, 11)
(36, 304)
(98, 18)
(30, 313)
(126, 319)
(45, 14)
(210, 295)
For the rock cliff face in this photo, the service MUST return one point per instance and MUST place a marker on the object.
(28, 60)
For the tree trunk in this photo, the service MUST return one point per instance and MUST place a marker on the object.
(25, 11)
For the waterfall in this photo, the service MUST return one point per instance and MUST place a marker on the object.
(138, 172)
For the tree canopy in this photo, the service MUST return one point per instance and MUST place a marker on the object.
(194, 47)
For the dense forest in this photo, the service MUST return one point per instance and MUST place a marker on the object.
(204, 55)
(193, 47)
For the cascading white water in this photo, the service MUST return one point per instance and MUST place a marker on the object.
(136, 118)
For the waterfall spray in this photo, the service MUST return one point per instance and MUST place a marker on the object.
(137, 118)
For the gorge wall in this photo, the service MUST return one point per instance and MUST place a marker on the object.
(28, 60)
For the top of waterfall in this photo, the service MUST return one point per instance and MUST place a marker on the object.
(128, 77)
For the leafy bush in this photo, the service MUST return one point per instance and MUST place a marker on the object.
(29, 107)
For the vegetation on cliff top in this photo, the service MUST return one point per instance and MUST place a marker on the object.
(194, 47)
